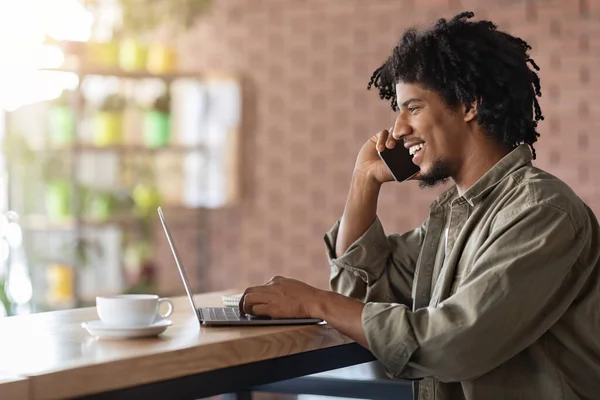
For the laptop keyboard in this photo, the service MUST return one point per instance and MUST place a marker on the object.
(225, 314)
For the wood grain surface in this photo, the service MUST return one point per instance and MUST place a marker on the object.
(64, 360)
(13, 387)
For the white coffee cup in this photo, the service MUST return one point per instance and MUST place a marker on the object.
(131, 310)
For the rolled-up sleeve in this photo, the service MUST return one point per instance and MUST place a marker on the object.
(520, 284)
(376, 267)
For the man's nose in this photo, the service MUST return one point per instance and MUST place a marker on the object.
(401, 128)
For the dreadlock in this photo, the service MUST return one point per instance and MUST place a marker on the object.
(465, 62)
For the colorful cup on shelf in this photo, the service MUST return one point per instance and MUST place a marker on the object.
(107, 128)
(132, 55)
(61, 125)
(60, 283)
(156, 129)
(102, 54)
(58, 199)
(101, 206)
(161, 59)
(146, 198)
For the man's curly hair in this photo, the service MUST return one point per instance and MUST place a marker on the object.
(466, 62)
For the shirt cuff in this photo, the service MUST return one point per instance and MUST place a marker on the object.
(390, 337)
(366, 257)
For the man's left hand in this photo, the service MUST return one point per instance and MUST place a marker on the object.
(281, 298)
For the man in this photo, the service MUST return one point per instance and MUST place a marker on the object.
(497, 294)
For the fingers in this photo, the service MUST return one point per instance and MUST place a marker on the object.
(385, 139)
(273, 285)
(243, 298)
(253, 299)
(275, 279)
(241, 302)
(264, 310)
(390, 142)
(381, 139)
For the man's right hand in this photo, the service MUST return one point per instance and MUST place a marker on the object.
(370, 172)
(369, 164)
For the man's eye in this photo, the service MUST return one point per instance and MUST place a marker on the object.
(413, 109)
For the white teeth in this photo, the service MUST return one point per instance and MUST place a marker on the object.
(413, 149)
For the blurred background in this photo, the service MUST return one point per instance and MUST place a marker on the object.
(241, 119)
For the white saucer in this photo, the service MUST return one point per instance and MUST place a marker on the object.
(97, 328)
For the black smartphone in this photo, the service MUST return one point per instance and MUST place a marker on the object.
(399, 162)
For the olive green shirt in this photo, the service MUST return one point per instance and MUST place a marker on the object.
(515, 309)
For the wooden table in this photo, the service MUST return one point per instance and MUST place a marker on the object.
(63, 360)
(13, 387)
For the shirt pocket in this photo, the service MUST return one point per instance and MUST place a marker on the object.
(447, 285)
(465, 263)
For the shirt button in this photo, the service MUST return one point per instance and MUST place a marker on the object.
(426, 392)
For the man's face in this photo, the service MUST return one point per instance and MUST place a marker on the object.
(437, 132)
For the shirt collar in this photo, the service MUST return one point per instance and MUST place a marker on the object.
(517, 158)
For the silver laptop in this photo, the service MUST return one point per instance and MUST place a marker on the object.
(224, 315)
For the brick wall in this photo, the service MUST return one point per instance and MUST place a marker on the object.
(306, 64)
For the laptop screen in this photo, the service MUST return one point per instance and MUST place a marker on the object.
(178, 262)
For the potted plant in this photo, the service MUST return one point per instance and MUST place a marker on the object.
(28, 168)
(140, 266)
(62, 271)
(141, 22)
(4, 302)
(60, 279)
(100, 204)
(133, 54)
(157, 121)
(61, 121)
(21, 161)
(58, 199)
(108, 121)
(58, 196)
(161, 58)
(39, 175)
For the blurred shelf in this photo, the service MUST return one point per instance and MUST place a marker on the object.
(43, 223)
(119, 73)
(125, 149)
(176, 215)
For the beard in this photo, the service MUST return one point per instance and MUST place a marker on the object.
(439, 174)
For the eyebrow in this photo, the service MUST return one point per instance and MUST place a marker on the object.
(407, 102)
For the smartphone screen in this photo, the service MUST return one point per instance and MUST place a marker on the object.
(399, 162)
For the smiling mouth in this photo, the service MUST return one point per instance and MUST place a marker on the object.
(413, 150)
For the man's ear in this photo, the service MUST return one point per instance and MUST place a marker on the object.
(472, 113)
